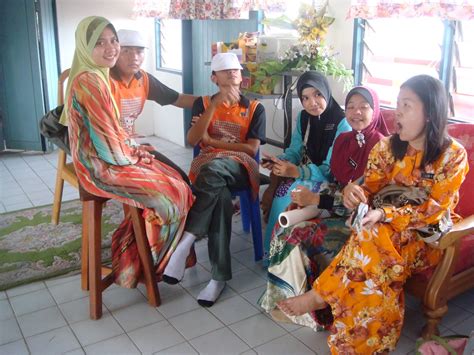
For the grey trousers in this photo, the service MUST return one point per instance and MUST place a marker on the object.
(211, 213)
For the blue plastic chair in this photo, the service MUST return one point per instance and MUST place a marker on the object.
(249, 211)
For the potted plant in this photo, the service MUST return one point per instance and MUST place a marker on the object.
(309, 53)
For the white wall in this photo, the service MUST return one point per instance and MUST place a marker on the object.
(166, 122)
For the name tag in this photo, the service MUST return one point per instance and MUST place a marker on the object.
(427, 176)
(329, 127)
(352, 163)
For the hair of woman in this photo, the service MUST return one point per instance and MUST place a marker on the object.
(433, 96)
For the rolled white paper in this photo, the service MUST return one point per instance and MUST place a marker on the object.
(289, 218)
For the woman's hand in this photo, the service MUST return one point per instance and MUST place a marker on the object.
(285, 168)
(372, 217)
(302, 196)
(353, 195)
(267, 161)
(142, 154)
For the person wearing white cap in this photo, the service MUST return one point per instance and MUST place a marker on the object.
(132, 86)
(229, 129)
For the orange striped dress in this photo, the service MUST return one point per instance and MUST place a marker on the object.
(364, 283)
(105, 167)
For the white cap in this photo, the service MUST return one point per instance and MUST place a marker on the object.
(225, 61)
(130, 38)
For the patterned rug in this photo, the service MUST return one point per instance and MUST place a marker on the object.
(32, 249)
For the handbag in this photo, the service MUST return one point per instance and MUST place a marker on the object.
(398, 196)
(55, 131)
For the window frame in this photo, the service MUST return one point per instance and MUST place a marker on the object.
(158, 60)
(446, 62)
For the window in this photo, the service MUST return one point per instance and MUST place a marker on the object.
(390, 50)
(169, 53)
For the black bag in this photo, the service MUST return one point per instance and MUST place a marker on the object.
(53, 130)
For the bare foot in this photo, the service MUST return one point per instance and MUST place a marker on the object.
(296, 306)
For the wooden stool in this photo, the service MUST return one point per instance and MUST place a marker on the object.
(95, 277)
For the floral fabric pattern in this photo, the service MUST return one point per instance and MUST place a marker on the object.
(445, 9)
(203, 9)
(374, 265)
(299, 253)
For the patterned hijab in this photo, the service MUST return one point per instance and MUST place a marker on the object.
(87, 33)
(349, 156)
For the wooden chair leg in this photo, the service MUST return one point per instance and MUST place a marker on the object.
(93, 212)
(58, 189)
(85, 251)
(145, 257)
(433, 318)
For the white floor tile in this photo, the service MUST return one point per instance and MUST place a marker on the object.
(17, 348)
(77, 310)
(316, 341)
(180, 303)
(195, 323)
(233, 309)
(120, 297)
(245, 257)
(6, 311)
(9, 331)
(454, 316)
(118, 345)
(464, 300)
(156, 337)
(257, 330)
(137, 315)
(93, 331)
(41, 321)
(194, 276)
(464, 327)
(15, 200)
(67, 292)
(253, 295)
(284, 345)
(18, 206)
(180, 349)
(245, 280)
(57, 341)
(75, 352)
(76, 276)
(221, 341)
(166, 290)
(405, 345)
(30, 302)
(21, 290)
(239, 244)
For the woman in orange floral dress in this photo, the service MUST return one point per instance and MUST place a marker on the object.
(363, 285)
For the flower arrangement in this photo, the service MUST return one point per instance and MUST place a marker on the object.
(309, 53)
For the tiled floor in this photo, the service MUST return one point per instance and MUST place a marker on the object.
(52, 317)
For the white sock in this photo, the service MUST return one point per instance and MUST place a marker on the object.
(209, 294)
(174, 271)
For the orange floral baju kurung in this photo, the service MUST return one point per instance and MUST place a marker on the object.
(364, 283)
